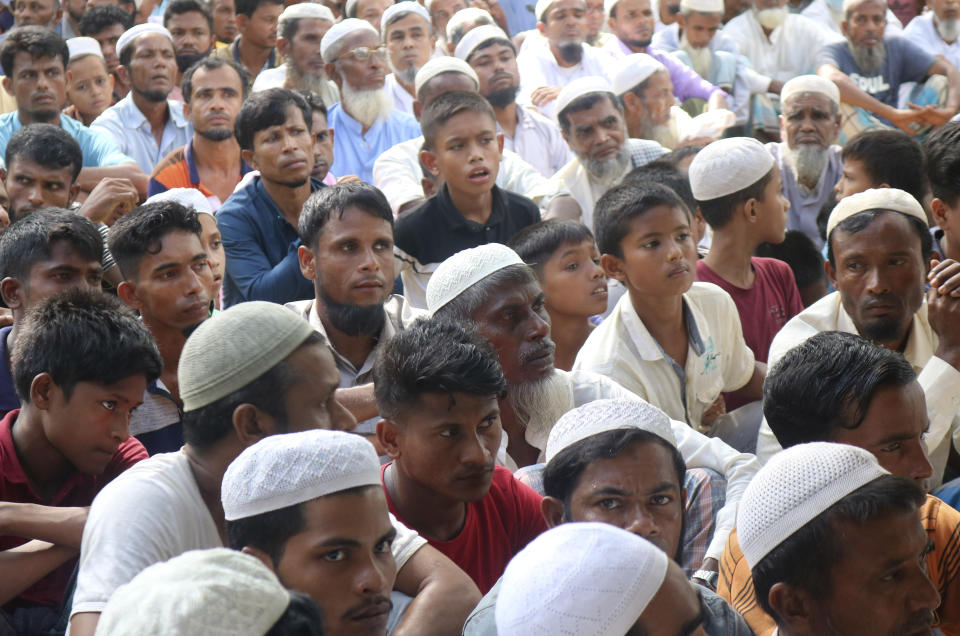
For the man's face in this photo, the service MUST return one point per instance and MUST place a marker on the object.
(40, 85)
(76, 8)
(108, 45)
(31, 187)
(311, 400)
(153, 66)
(674, 609)
(496, 66)
(594, 17)
(880, 276)
(700, 28)
(304, 48)
(215, 100)
(212, 243)
(43, 13)
(808, 120)
(633, 22)
(853, 179)
(192, 38)
(515, 321)
(283, 153)
(597, 134)
(65, 269)
(442, 10)
(322, 146)
(260, 29)
(224, 20)
(410, 45)
(866, 24)
(365, 74)
(467, 153)
(343, 561)
(657, 99)
(565, 22)
(945, 11)
(371, 10)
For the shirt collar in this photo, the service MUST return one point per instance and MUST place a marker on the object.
(646, 345)
(457, 221)
(132, 117)
(192, 164)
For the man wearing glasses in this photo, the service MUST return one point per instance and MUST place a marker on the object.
(365, 119)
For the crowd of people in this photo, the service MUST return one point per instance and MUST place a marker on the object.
(593, 317)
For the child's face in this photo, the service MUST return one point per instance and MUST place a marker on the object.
(213, 245)
(772, 210)
(468, 152)
(854, 179)
(574, 282)
(89, 86)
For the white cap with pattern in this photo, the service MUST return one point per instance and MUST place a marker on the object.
(465, 268)
(702, 6)
(541, 8)
(341, 30)
(727, 166)
(581, 87)
(810, 84)
(477, 36)
(601, 416)
(470, 15)
(401, 8)
(302, 10)
(133, 33)
(634, 70)
(84, 46)
(875, 199)
(439, 65)
(187, 197)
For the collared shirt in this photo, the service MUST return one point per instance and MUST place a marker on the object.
(399, 315)
(9, 400)
(132, 133)
(923, 32)
(686, 83)
(779, 56)
(540, 68)
(179, 170)
(538, 140)
(805, 205)
(354, 151)
(402, 100)
(261, 248)
(98, 147)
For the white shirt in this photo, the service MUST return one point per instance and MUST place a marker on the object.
(277, 78)
(132, 133)
(791, 50)
(922, 32)
(540, 68)
(402, 100)
(538, 141)
(821, 13)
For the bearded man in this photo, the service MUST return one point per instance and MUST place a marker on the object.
(410, 40)
(936, 31)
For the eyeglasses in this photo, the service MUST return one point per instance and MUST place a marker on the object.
(363, 53)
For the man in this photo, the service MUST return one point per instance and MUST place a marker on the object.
(866, 233)
(106, 24)
(70, 27)
(869, 68)
(43, 13)
(442, 10)
(535, 138)
(410, 41)
(33, 61)
(224, 22)
(277, 376)
(369, 11)
(322, 139)
(191, 27)
(145, 124)
(365, 119)
(213, 92)
(936, 31)
(255, 48)
(462, 22)
(808, 155)
(830, 15)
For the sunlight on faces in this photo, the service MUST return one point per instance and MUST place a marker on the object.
(152, 67)
(574, 282)
(772, 210)
(361, 82)
(31, 186)
(283, 153)
(89, 86)
(633, 22)
(565, 25)
(809, 127)
(598, 136)
(467, 153)
(39, 85)
(648, 113)
(410, 45)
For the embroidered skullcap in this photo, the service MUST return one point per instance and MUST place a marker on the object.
(439, 65)
(235, 347)
(216, 592)
(133, 33)
(84, 46)
(475, 37)
(810, 84)
(470, 15)
(541, 8)
(341, 30)
(588, 579)
(727, 166)
(454, 275)
(579, 88)
(875, 199)
(702, 6)
(633, 70)
(187, 197)
(401, 8)
(601, 416)
(313, 10)
(794, 487)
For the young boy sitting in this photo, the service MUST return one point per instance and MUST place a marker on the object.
(882, 159)
(463, 148)
(437, 389)
(80, 365)
(942, 150)
(675, 343)
(567, 263)
(89, 83)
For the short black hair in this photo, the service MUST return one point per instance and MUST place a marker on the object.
(126, 55)
(447, 106)
(98, 18)
(619, 206)
(303, 617)
(862, 220)
(800, 253)
(248, 7)
(668, 174)
(267, 108)
(718, 212)
(805, 559)
(35, 41)
(82, 335)
(179, 7)
(892, 157)
(458, 34)
(211, 63)
(49, 146)
(674, 157)
(314, 101)
(942, 150)
(434, 356)
(326, 202)
(583, 103)
(537, 243)
(141, 231)
(29, 240)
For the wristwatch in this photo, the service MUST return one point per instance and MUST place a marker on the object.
(708, 576)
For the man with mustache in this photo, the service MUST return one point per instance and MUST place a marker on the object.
(936, 31)
(255, 47)
(408, 35)
(191, 26)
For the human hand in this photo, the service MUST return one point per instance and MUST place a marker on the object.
(109, 200)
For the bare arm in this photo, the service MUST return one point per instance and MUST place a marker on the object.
(84, 624)
(62, 526)
(26, 564)
(939, 116)
(851, 94)
(90, 177)
(443, 595)
(359, 400)
(753, 389)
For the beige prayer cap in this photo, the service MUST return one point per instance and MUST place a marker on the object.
(702, 6)
(875, 199)
(727, 166)
(810, 84)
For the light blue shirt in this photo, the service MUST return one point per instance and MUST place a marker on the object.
(519, 15)
(98, 147)
(354, 152)
(131, 131)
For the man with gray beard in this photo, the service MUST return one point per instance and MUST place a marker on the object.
(937, 31)
(410, 40)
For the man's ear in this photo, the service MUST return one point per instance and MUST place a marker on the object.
(41, 391)
(940, 209)
(74, 191)
(127, 291)
(331, 71)
(243, 21)
(542, 28)
(123, 74)
(308, 262)
(632, 102)
(12, 292)
(8, 86)
(680, 21)
(830, 272)
(500, 144)
(418, 108)
(429, 159)
(612, 267)
(247, 155)
(794, 607)
(283, 47)
(751, 212)
(251, 424)
(388, 434)
(552, 510)
(261, 555)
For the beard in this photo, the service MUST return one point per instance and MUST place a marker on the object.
(216, 134)
(43, 116)
(571, 52)
(807, 162)
(353, 320)
(882, 330)
(405, 76)
(503, 97)
(608, 172)
(660, 133)
(539, 404)
(153, 96)
(639, 44)
(317, 83)
(366, 106)
(184, 62)
(701, 58)
(869, 59)
(949, 30)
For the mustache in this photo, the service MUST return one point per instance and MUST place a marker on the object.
(545, 347)
(378, 602)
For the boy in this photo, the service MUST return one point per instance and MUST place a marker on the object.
(736, 183)
(80, 368)
(882, 159)
(462, 147)
(567, 263)
(437, 389)
(942, 150)
(675, 343)
(89, 83)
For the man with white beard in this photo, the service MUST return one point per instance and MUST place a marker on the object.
(808, 157)
(410, 40)
(365, 119)
(937, 31)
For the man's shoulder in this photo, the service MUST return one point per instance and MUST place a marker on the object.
(177, 156)
(243, 201)
(163, 476)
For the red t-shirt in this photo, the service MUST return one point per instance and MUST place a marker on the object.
(77, 490)
(496, 528)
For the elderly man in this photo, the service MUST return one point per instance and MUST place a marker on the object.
(42, 13)
(365, 119)
(370, 11)
(255, 47)
(830, 16)
(936, 31)
(441, 11)
(408, 35)
(808, 157)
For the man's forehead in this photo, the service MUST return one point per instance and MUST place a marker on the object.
(151, 42)
(803, 101)
(23, 166)
(888, 231)
(312, 24)
(512, 293)
(24, 59)
(566, 5)
(635, 5)
(868, 7)
(361, 37)
(409, 21)
(188, 17)
(216, 78)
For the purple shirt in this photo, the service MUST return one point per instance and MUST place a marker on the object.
(686, 83)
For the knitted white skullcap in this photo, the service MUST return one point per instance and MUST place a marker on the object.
(133, 33)
(284, 470)
(541, 8)
(875, 199)
(727, 166)
(216, 592)
(581, 87)
(588, 579)
(443, 64)
(235, 347)
(794, 487)
(601, 416)
(84, 46)
(702, 6)
(341, 30)
(810, 84)
(475, 37)
(454, 275)
(401, 8)
(307, 10)
(633, 70)
(466, 16)
(187, 197)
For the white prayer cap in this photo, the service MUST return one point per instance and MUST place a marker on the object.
(84, 46)
(307, 10)
(400, 8)
(454, 275)
(470, 15)
(187, 197)
(633, 70)
(341, 30)
(810, 84)
(875, 199)
(131, 34)
(443, 64)
(794, 487)
(601, 416)
(475, 37)
(281, 471)
(588, 579)
(541, 8)
(216, 592)
(579, 88)
(727, 166)
(702, 6)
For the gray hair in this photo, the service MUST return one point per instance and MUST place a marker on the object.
(462, 308)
